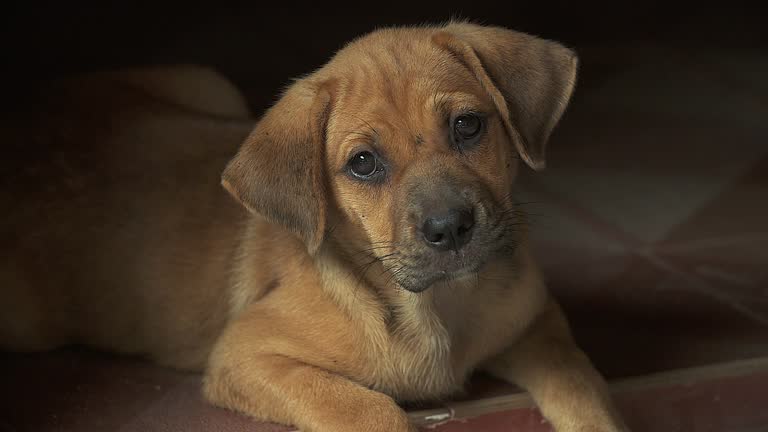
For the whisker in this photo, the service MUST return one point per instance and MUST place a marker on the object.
(373, 129)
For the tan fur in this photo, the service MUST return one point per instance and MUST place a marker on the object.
(294, 311)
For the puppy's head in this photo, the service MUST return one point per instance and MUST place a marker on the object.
(408, 140)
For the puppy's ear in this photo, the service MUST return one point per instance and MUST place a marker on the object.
(530, 79)
(278, 171)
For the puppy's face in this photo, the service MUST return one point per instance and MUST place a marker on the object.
(420, 164)
(410, 138)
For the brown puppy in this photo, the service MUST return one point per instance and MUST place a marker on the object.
(382, 261)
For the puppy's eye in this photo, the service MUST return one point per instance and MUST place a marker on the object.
(467, 126)
(364, 165)
(466, 129)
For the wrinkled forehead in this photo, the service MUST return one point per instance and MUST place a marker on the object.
(401, 85)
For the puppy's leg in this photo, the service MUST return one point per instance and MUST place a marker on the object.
(272, 387)
(570, 393)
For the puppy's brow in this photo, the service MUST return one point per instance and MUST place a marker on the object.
(445, 103)
(440, 102)
(367, 124)
(353, 138)
(359, 135)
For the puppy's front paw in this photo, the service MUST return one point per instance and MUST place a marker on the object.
(379, 418)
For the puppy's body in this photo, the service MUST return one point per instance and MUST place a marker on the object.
(338, 296)
(115, 231)
(421, 348)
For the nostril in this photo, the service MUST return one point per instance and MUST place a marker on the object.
(435, 237)
(435, 232)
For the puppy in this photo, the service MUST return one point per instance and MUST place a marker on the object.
(381, 259)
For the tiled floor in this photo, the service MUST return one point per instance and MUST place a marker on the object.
(731, 399)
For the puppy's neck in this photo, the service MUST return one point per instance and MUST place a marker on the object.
(367, 294)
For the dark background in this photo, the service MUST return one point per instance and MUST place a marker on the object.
(261, 45)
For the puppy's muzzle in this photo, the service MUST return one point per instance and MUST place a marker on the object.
(448, 229)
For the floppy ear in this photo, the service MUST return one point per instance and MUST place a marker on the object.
(278, 171)
(530, 79)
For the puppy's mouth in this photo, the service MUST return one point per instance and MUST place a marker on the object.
(418, 284)
(419, 277)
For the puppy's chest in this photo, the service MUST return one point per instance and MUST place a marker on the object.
(428, 356)
(414, 365)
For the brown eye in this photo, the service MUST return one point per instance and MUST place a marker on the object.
(466, 130)
(467, 126)
(364, 165)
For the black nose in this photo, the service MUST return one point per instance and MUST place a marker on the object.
(450, 229)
